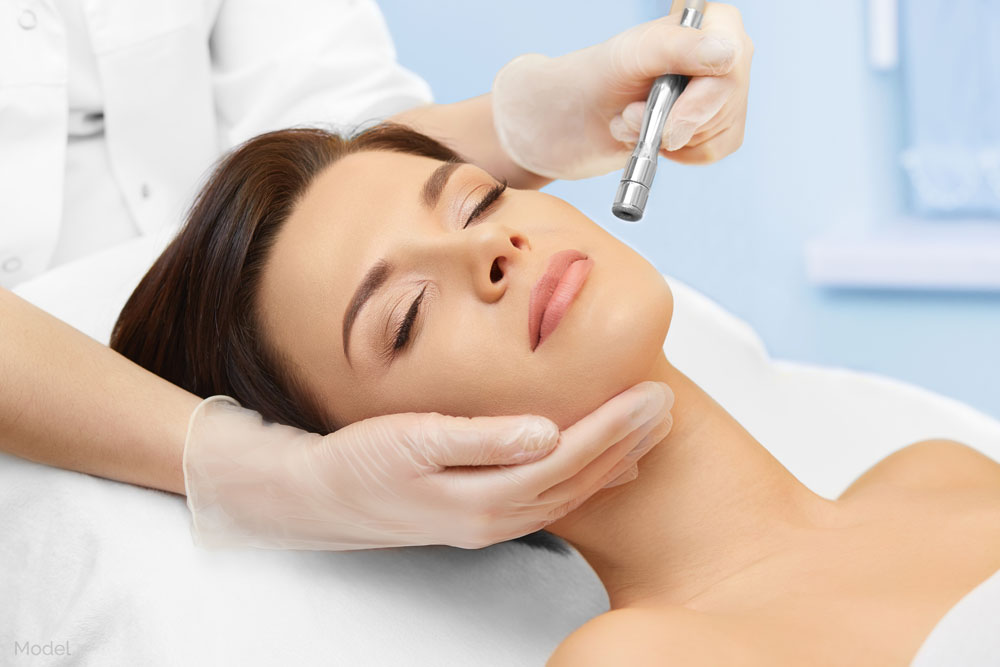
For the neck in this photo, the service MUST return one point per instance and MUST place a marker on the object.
(709, 503)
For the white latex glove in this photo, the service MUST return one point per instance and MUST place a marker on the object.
(404, 480)
(579, 115)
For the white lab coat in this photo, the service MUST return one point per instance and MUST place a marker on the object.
(181, 81)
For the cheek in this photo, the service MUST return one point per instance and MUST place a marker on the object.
(614, 343)
(461, 367)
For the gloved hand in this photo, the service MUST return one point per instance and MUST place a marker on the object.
(579, 115)
(404, 480)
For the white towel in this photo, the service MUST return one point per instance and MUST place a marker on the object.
(969, 634)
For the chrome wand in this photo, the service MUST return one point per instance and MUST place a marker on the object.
(633, 190)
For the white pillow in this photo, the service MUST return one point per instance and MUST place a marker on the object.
(110, 568)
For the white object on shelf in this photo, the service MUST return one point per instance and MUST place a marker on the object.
(883, 34)
(910, 254)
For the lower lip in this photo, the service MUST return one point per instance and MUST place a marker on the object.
(569, 285)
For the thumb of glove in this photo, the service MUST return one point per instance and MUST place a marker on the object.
(485, 441)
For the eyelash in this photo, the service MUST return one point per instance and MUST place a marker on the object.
(486, 202)
(402, 333)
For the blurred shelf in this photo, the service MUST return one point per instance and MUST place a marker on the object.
(910, 254)
(883, 34)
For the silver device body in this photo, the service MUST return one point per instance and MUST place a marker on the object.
(633, 190)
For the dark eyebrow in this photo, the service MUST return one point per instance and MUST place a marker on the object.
(373, 281)
(436, 182)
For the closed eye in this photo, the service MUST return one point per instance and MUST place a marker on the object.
(402, 334)
(486, 202)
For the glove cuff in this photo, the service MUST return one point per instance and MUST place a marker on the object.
(236, 469)
(521, 99)
(196, 492)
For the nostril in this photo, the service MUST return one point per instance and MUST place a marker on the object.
(496, 273)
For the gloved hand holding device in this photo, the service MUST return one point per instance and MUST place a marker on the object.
(406, 479)
(578, 115)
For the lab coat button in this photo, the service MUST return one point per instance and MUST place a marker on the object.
(11, 264)
(144, 190)
(27, 19)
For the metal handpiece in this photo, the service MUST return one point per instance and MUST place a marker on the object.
(633, 190)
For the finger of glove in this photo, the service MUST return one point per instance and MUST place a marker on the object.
(653, 438)
(485, 441)
(710, 149)
(700, 103)
(590, 447)
(593, 435)
(662, 46)
(702, 100)
(565, 508)
(509, 527)
(629, 475)
(630, 462)
(626, 471)
(484, 511)
(622, 131)
(611, 463)
(530, 517)
(626, 125)
(506, 517)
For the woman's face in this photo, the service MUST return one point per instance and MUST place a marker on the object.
(468, 351)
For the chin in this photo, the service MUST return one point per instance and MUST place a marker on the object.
(618, 340)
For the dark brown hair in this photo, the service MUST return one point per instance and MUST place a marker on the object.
(194, 317)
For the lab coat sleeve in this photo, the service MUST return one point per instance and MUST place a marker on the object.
(301, 62)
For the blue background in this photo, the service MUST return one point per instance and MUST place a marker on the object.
(823, 132)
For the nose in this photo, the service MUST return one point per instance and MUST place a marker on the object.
(486, 257)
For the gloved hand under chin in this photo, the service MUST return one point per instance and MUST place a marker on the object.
(404, 479)
(579, 115)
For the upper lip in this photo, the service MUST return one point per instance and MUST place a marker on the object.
(542, 291)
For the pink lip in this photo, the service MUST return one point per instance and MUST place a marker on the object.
(554, 292)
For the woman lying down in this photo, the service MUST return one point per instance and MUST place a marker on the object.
(715, 555)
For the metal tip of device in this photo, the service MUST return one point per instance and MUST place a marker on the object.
(630, 201)
(627, 213)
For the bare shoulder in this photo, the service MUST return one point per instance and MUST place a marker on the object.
(641, 637)
(931, 464)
